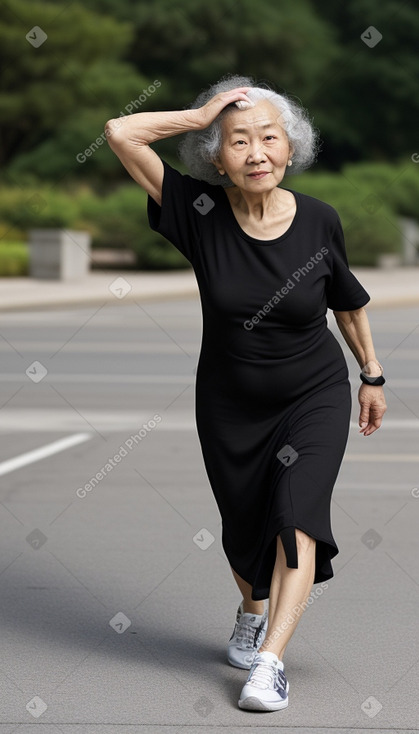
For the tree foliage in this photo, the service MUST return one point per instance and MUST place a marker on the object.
(99, 56)
(54, 99)
(370, 99)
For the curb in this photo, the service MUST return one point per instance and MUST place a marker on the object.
(68, 302)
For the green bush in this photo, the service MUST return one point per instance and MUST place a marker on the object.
(397, 186)
(28, 208)
(14, 259)
(120, 220)
(369, 198)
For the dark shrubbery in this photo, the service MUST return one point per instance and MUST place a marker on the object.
(369, 198)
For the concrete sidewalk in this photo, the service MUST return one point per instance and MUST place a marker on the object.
(395, 287)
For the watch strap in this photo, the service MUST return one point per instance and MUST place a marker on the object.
(372, 380)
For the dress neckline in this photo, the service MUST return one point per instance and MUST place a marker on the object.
(275, 240)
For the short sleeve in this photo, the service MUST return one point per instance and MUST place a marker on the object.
(177, 217)
(344, 292)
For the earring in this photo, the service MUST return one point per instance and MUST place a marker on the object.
(290, 162)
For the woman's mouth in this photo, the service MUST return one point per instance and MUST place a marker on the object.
(258, 175)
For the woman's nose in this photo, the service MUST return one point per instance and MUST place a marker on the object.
(256, 152)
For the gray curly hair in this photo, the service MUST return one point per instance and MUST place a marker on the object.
(199, 147)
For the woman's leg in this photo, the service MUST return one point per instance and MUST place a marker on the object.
(249, 604)
(290, 588)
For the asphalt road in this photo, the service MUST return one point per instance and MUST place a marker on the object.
(116, 598)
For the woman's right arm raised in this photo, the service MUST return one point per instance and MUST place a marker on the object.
(130, 137)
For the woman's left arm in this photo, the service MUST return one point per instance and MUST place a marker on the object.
(355, 328)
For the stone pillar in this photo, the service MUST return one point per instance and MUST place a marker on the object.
(59, 254)
(410, 242)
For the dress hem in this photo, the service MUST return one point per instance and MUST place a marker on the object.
(321, 572)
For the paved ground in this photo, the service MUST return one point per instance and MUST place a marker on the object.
(114, 616)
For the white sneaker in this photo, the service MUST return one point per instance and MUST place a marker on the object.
(266, 688)
(248, 634)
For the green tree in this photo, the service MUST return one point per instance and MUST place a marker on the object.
(190, 44)
(99, 57)
(55, 98)
(368, 103)
(364, 99)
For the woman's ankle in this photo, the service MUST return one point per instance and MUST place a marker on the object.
(279, 652)
(253, 607)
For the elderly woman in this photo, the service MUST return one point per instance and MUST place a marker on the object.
(272, 397)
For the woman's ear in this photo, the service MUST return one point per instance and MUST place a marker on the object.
(217, 163)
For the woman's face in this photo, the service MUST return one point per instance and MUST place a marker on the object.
(254, 140)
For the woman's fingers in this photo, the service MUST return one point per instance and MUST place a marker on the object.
(372, 426)
(373, 407)
(213, 107)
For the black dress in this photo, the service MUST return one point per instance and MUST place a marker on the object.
(272, 395)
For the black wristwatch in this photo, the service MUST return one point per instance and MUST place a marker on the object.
(372, 380)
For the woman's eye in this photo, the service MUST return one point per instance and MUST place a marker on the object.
(273, 137)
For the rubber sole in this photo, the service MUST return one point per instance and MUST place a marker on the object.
(251, 703)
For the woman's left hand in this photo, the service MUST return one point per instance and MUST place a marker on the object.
(373, 406)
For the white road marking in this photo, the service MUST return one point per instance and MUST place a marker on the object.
(149, 379)
(112, 421)
(384, 457)
(391, 423)
(92, 347)
(103, 420)
(56, 377)
(361, 486)
(37, 454)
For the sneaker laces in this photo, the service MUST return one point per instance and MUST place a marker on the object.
(245, 636)
(264, 675)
